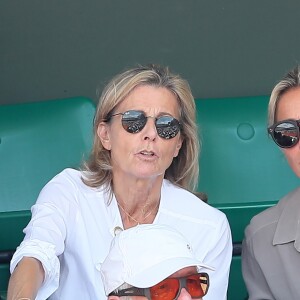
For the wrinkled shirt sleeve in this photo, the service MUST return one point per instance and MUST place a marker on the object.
(220, 258)
(45, 235)
(45, 253)
(254, 278)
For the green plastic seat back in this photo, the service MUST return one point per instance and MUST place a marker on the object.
(37, 141)
(242, 171)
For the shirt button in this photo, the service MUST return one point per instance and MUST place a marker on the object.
(117, 230)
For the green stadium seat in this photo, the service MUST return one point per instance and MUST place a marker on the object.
(37, 141)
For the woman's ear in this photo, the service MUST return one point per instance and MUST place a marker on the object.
(103, 134)
(178, 147)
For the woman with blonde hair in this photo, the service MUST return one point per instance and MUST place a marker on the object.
(143, 169)
(271, 248)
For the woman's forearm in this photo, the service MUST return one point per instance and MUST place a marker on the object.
(26, 279)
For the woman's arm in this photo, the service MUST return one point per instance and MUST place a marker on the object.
(255, 281)
(26, 279)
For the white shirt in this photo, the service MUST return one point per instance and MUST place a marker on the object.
(72, 227)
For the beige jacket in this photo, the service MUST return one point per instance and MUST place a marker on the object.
(271, 251)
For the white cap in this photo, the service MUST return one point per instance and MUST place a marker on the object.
(144, 255)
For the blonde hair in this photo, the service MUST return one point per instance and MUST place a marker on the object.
(290, 80)
(184, 168)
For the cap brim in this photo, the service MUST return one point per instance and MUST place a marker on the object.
(164, 269)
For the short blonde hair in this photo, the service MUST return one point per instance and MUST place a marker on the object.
(289, 81)
(184, 169)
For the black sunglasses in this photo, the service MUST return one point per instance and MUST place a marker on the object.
(285, 133)
(169, 289)
(133, 121)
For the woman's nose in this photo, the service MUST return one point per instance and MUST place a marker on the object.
(184, 295)
(149, 131)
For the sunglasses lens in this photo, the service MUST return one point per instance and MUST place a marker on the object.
(197, 285)
(167, 127)
(286, 134)
(165, 290)
(133, 121)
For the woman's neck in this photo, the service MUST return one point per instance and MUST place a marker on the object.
(138, 200)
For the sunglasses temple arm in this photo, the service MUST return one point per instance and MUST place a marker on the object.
(132, 291)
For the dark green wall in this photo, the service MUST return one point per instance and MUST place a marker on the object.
(55, 48)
